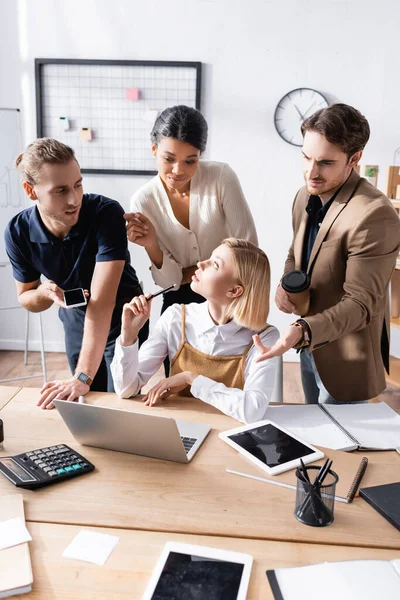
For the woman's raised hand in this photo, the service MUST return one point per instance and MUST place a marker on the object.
(140, 230)
(134, 316)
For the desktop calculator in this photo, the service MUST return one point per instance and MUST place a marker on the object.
(41, 467)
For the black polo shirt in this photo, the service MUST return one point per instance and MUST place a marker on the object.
(98, 236)
(316, 214)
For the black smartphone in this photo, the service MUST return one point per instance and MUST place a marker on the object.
(74, 298)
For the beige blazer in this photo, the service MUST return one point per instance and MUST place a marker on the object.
(351, 264)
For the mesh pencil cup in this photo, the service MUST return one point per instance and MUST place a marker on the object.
(315, 503)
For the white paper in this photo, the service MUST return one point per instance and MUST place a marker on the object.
(311, 424)
(91, 547)
(375, 425)
(348, 580)
(13, 532)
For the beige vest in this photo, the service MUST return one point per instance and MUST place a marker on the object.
(228, 370)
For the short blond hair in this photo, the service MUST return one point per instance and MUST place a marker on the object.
(252, 272)
(41, 151)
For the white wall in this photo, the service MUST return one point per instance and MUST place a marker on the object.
(253, 53)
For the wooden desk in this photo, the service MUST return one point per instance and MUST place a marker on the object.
(7, 392)
(128, 569)
(135, 492)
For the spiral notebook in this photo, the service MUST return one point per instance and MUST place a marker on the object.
(347, 580)
(341, 426)
(350, 469)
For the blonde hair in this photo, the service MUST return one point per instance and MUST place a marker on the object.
(252, 272)
(41, 151)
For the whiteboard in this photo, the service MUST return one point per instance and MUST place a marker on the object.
(106, 109)
(11, 193)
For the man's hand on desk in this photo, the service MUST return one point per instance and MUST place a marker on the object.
(287, 340)
(62, 389)
(169, 386)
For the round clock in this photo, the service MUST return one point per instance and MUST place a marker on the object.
(293, 109)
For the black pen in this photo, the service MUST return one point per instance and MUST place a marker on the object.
(164, 291)
(323, 474)
(304, 471)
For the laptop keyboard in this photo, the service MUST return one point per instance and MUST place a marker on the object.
(188, 443)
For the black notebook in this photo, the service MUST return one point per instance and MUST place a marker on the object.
(386, 500)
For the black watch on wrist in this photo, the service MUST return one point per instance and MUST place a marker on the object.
(84, 378)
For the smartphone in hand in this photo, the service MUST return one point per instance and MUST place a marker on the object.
(74, 298)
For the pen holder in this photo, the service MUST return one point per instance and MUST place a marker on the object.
(315, 503)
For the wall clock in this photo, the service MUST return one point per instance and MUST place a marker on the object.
(293, 109)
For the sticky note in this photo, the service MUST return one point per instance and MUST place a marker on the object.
(132, 94)
(13, 532)
(150, 115)
(91, 547)
(85, 133)
(63, 123)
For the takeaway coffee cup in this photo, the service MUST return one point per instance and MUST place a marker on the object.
(296, 284)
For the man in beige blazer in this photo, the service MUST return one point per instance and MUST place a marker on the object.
(347, 237)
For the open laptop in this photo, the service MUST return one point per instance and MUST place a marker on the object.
(133, 432)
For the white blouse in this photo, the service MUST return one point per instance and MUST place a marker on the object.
(132, 368)
(218, 209)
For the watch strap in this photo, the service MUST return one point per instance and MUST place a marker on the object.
(306, 337)
(84, 378)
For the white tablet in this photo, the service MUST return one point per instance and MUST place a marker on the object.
(186, 572)
(270, 446)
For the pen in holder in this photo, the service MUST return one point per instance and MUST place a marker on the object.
(315, 495)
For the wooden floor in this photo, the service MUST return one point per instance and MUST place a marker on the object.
(12, 365)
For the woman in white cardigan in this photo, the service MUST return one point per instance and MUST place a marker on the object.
(185, 212)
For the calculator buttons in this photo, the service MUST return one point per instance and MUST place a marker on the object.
(49, 465)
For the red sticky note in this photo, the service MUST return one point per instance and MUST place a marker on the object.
(132, 94)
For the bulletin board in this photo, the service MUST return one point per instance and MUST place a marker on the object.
(105, 109)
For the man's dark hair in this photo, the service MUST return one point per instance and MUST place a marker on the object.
(342, 125)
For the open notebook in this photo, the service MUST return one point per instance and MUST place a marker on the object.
(15, 562)
(366, 579)
(341, 427)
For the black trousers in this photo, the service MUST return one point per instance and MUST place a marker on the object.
(73, 320)
(185, 295)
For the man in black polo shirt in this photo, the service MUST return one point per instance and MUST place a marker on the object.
(75, 240)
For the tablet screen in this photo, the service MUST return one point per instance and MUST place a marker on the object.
(271, 445)
(190, 577)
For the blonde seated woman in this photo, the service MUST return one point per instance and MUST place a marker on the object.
(213, 346)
